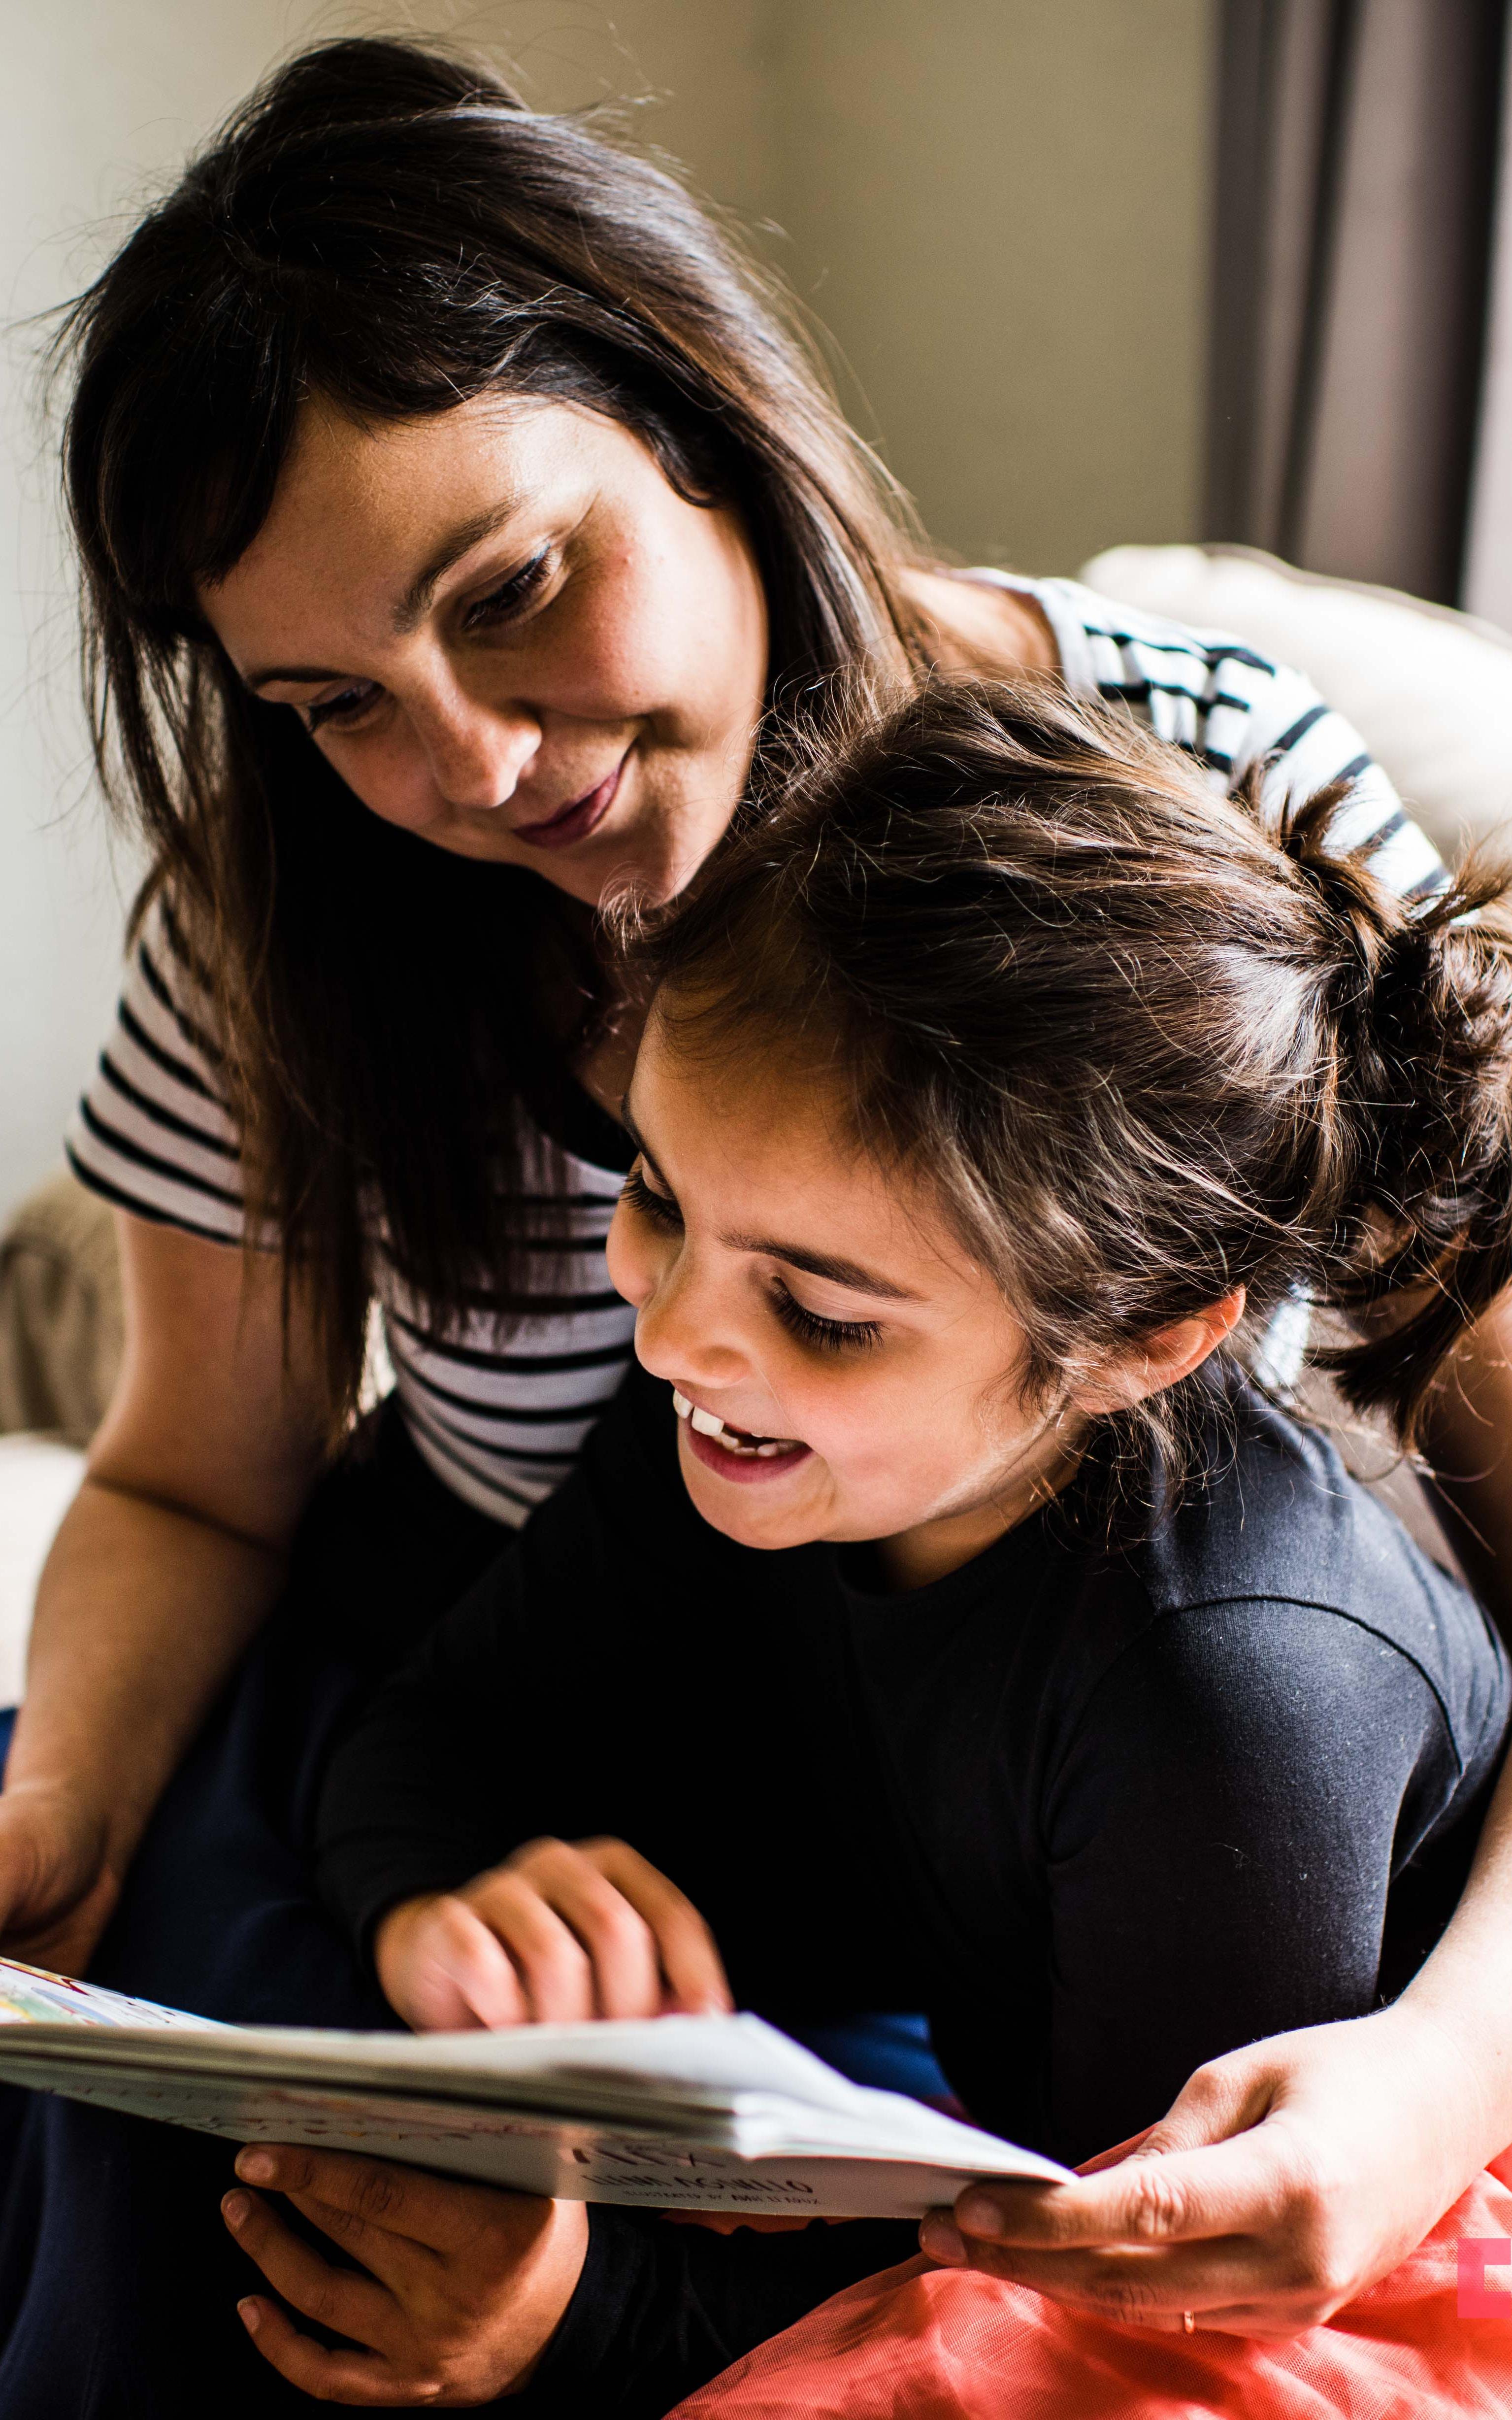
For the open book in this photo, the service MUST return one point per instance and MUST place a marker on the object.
(670, 2113)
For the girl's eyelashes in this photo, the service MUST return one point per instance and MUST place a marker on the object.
(499, 606)
(824, 1335)
(659, 1208)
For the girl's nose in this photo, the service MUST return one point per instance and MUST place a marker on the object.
(685, 1331)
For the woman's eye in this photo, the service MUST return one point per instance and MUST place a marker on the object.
(824, 1335)
(349, 705)
(659, 1208)
(503, 603)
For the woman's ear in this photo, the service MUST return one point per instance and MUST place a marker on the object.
(1170, 1354)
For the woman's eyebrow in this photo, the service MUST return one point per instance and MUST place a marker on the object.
(461, 541)
(416, 596)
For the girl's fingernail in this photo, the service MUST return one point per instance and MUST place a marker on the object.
(236, 2208)
(941, 2239)
(251, 2315)
(980, 2214)
(258, 2168)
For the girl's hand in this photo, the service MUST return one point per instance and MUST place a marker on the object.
(559, 1932)
(1286, 2179)
(460, 2290)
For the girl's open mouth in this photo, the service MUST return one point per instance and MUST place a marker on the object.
(735, 1454)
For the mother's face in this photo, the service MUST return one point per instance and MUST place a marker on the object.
(510, 635)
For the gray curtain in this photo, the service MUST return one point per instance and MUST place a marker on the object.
(1354, 166)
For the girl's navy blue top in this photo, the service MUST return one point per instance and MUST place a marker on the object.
(1102, 1812)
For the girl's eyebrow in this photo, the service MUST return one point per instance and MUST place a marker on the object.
(824, 1264)
(829, 1265)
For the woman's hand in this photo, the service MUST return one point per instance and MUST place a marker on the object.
(57, 1887)
(460, 2290)
(559, 1932)
(1286, 2179)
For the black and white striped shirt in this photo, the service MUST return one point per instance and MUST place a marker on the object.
(499, 1407)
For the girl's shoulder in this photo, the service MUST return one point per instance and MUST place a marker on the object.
(1276, 1520)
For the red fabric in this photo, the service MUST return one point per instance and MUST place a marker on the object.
(938, 2344)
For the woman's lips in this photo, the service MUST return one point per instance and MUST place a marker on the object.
(574, 821)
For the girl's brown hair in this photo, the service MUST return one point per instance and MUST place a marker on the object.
(1147, 1044)
(390, 229)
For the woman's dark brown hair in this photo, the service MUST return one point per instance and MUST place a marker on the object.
(392, 230)
(1146, 1048)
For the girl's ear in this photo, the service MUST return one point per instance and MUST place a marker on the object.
(1165, 1357)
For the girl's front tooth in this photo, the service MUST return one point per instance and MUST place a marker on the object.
(681, 1404)
(706, 1423)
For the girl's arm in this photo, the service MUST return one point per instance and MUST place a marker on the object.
(1290, 2176)
(167, 1561)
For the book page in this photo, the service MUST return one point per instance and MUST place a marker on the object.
(30, 1995)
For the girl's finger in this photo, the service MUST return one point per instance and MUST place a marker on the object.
(555, 1971)
(690, 1959)
(352, 2377)
(459, 1974)
(352, 2303)
(619, 1941)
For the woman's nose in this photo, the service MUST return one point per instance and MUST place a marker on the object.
(476, 752)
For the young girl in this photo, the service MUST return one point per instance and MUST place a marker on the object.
(939, 1613)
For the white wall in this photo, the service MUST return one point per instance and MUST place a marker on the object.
(100, 97)
(1489, 565)
(998, 204)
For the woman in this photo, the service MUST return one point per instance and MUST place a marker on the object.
(457, 439)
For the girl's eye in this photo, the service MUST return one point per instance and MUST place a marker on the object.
(824, 1335)
(503, 603)
(347, 706)
(659, 1208)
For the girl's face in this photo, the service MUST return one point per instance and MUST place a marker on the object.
(510, 635)
(842, 1370)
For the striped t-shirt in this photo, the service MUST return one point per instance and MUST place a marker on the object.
(500, 1406)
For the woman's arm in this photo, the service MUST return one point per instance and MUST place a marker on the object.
(167, 1561)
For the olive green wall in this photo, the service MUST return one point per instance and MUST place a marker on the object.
(999, 207)
(996, 209)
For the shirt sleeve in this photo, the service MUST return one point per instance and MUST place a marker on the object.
(1222, 1833)
(1232, 708)
(465, 1754)
(153, 1133)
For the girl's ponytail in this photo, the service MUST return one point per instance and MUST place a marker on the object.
(1415, 1112)
(1147, 1047)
